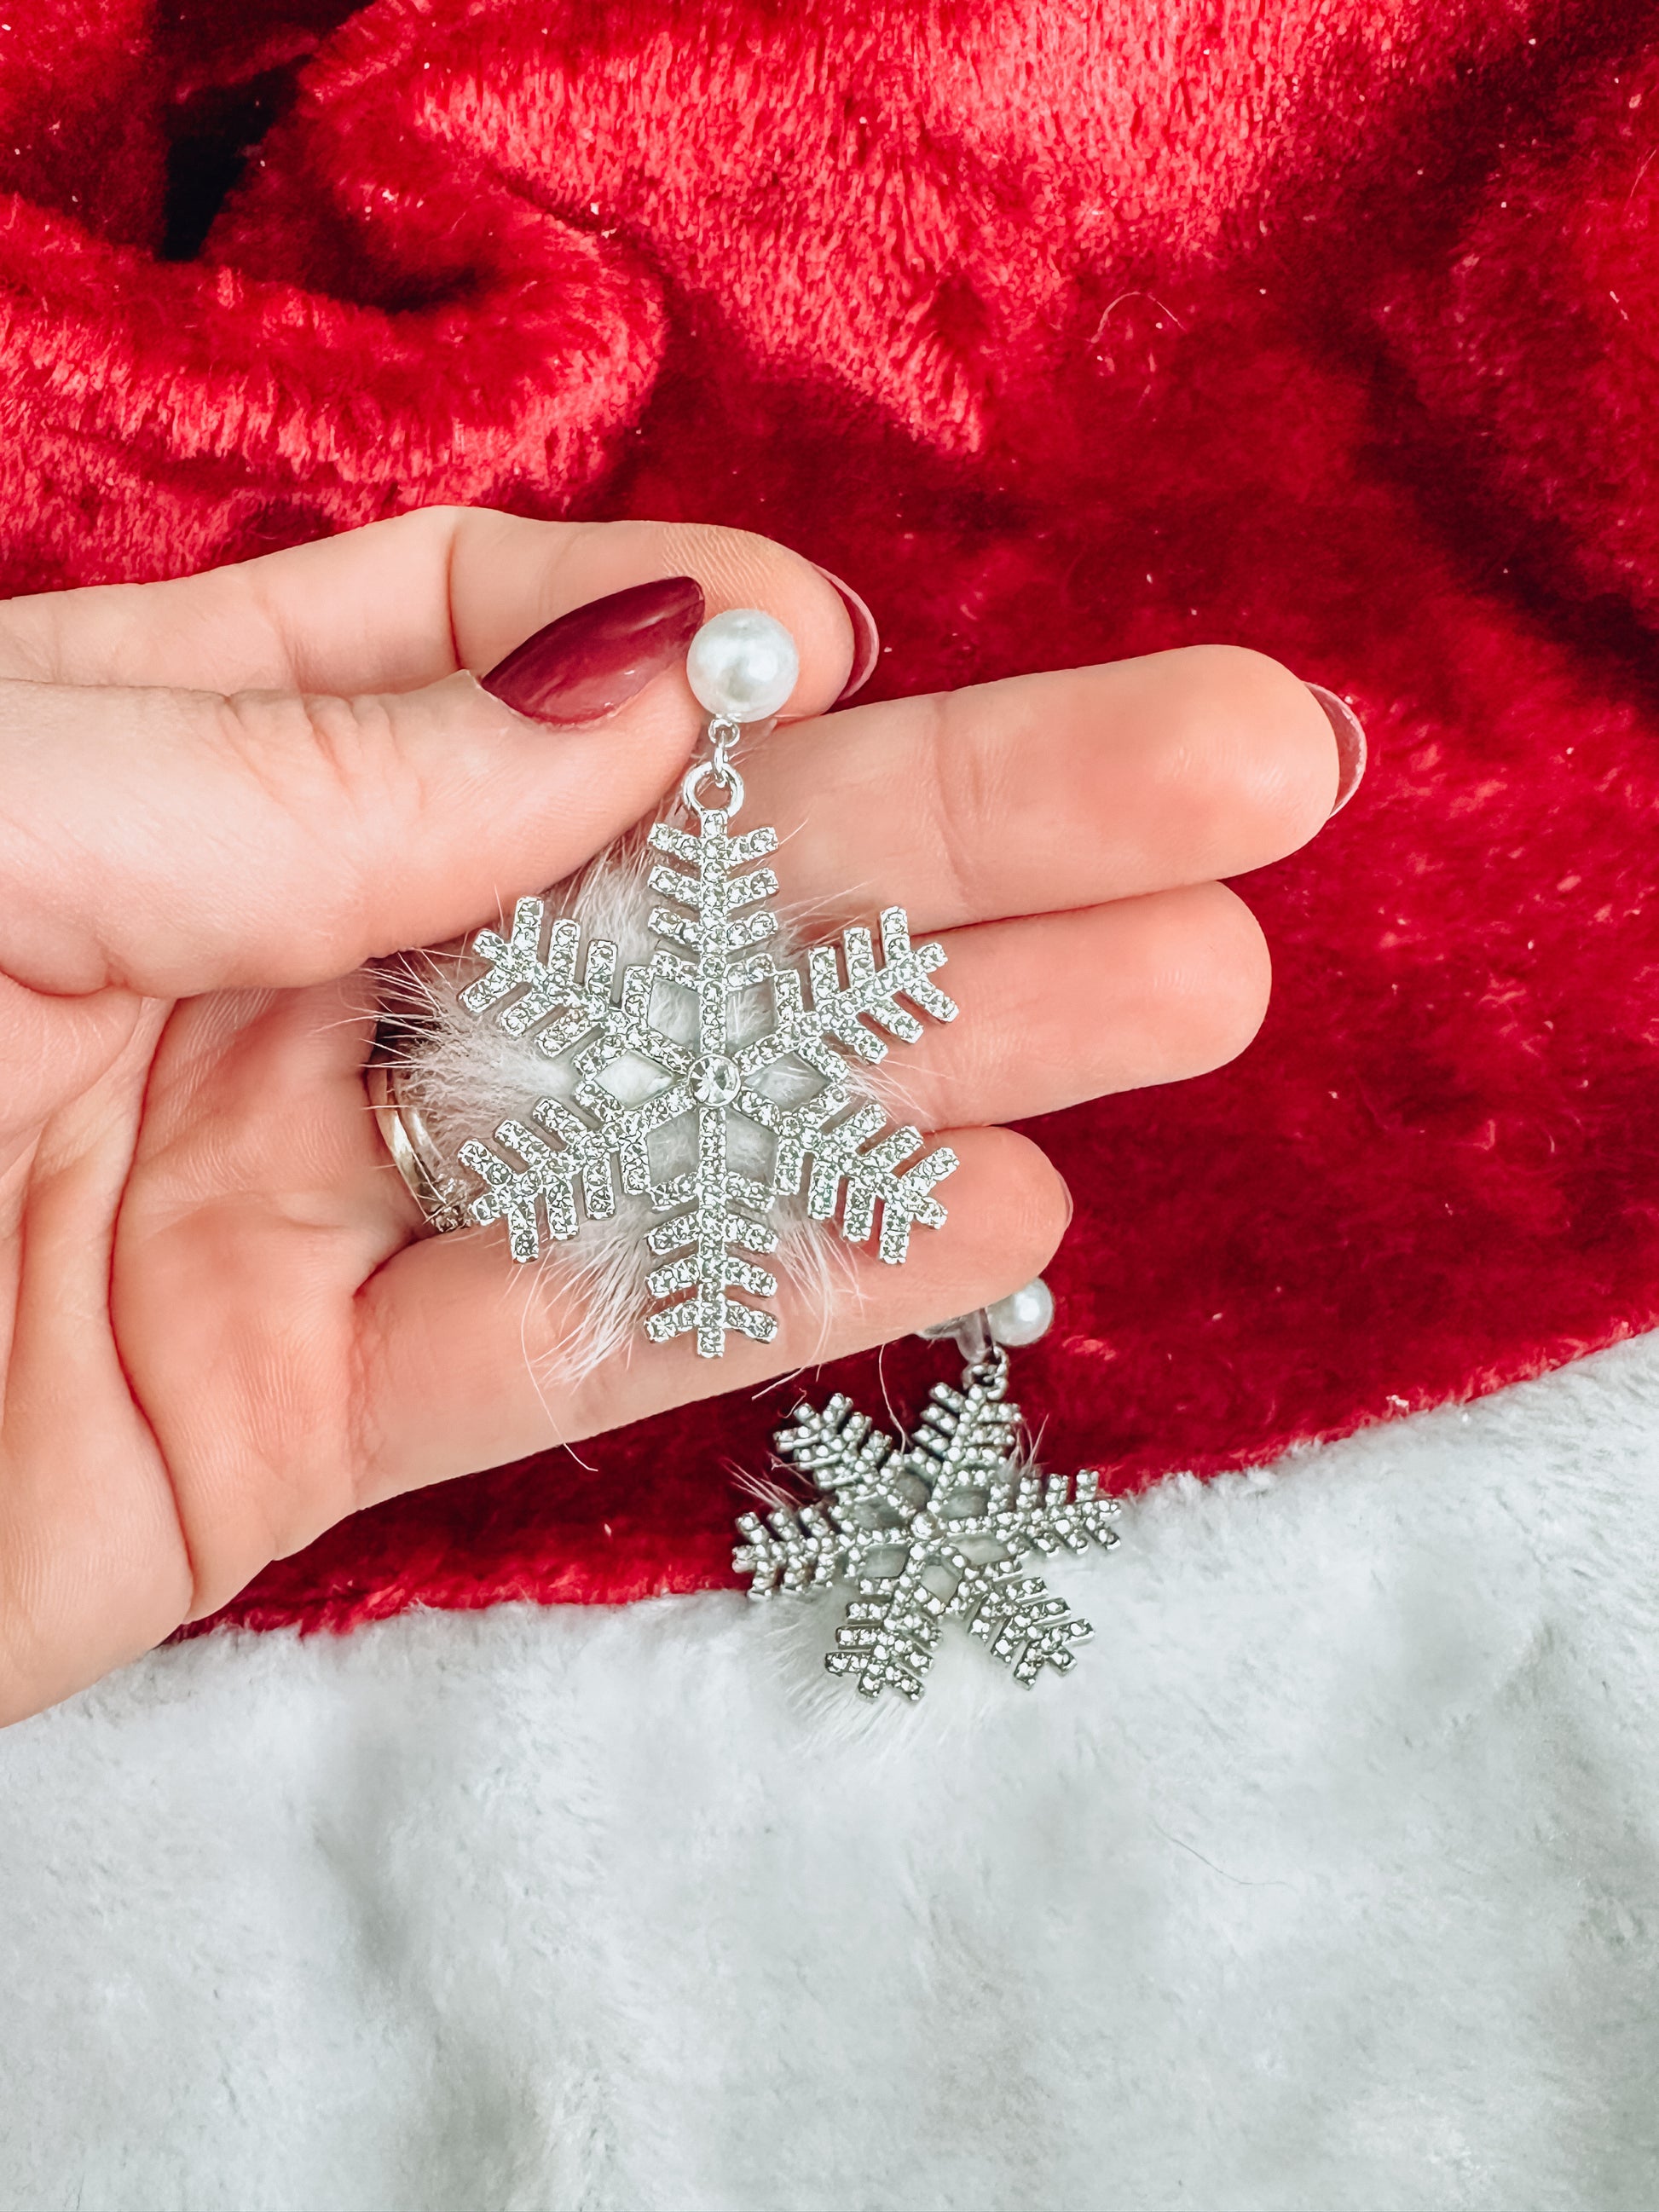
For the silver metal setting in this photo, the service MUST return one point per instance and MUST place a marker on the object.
(441, 1198)
(711, 930)
(970, 1332)
(931, 1528)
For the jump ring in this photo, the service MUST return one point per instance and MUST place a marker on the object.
(723, 772)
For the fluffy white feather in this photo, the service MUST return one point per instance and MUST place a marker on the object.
(468, 1074)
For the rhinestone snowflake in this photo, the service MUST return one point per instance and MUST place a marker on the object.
(934, 1529)
(635, 1077)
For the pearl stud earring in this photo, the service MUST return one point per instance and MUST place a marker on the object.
(743, 665)
(711, 1019)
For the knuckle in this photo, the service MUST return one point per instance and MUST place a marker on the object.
(351, 743)
(959, 807)
(436, 519)
(366, 1393)
(328, 772)
(440, 529)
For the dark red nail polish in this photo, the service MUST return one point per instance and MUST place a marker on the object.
(596, 657)
(866, 638)
(1349, 734)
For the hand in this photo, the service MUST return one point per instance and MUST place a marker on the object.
(219, 797)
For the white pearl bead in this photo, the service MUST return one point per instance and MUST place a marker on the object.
(743, 664)
(1024, 1315)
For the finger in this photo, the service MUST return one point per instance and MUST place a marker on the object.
(260, 1199)
(256, 1100)
(1049, 792)
(1062, 1007)
(455, 1342)
(53, 1050)
(170, 840)
(406, 603)
(83, 1489)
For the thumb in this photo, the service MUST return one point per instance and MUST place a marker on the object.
(175, 841)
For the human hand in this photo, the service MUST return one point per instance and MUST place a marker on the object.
(220, 797)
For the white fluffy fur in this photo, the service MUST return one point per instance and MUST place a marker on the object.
(470, 1074)
(1328, 1883)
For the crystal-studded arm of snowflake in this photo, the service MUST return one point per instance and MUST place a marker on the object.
(796, 1548)
(842, 1448)
(873, 1178)
(933, 1530)
(713, 928)
(873, 993)
(528, 990)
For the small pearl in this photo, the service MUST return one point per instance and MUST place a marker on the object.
(1024, 1315)
(743, 664)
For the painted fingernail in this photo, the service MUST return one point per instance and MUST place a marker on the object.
(1349, 733)
(866, 638)
(596, 657)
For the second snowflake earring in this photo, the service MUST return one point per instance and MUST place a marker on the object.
(706, 1078)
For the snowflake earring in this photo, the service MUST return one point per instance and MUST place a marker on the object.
(695, 1082)
(936, 1526)
(676, 1084)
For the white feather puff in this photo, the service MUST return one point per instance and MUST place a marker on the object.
(467, 1074)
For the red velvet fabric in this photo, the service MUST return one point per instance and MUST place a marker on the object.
(1064, 331)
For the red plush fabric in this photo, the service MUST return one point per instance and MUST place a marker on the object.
(1064, 331)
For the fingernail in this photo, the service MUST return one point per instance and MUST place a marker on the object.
(866, 638)
(1349, 733)
(596, 657)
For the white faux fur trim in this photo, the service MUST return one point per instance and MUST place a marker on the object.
(1329, 1880)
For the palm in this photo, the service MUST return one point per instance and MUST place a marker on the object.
(224, 1331)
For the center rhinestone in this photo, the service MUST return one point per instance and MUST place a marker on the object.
(715, 1080)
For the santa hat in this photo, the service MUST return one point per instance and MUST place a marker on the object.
(1062, 338)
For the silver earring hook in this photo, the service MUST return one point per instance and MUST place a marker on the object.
(1022, 1317)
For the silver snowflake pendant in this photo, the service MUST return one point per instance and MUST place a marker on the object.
(782, 1074)
(932, 1530)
